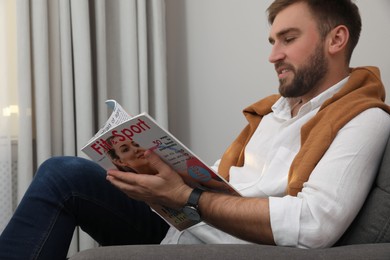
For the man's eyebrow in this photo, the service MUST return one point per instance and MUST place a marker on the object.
(283, 32)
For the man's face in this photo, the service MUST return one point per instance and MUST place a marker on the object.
(298, 52)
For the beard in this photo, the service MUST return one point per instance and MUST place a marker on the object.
(307, 77)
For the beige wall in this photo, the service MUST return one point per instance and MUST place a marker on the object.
(218, 64)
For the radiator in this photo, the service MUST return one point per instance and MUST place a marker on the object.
(8, 185)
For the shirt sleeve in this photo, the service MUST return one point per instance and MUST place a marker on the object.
(337, 187)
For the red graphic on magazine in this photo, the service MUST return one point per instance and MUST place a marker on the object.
(195, 168)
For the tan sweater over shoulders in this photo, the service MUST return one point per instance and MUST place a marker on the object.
(363, 90)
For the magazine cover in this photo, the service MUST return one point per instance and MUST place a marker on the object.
(142, 132)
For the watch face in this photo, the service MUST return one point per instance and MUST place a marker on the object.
(191, 212)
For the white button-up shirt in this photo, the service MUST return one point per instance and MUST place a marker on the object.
(332, 196)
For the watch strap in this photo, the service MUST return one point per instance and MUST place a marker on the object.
(193, 200)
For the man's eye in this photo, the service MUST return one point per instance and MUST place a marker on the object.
(289, 39)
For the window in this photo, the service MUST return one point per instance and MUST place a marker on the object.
(8, 84)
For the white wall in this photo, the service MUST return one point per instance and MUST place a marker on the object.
(218, 64)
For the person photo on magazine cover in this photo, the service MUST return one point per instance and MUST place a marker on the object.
(128, 156)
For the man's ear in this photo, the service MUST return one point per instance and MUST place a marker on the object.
(338, 39)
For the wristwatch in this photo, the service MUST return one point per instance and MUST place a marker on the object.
(191, 207)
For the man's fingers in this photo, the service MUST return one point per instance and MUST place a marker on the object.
(123, 176)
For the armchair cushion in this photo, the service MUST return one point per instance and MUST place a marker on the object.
(234, 252)
(372, 225)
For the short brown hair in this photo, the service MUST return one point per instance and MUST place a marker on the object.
(329, 14)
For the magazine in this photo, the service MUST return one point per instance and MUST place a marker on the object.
(143, 132)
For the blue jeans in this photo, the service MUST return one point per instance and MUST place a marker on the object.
(68, 192)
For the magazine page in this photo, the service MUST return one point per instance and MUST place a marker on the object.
(144, 133)
(118, 116)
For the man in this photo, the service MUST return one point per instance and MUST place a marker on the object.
(304, 163)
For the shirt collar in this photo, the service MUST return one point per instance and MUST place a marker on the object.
(282, 107)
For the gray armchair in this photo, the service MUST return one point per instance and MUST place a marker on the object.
(368, 237)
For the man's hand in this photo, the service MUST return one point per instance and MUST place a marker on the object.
(246, 218)
(165, 188)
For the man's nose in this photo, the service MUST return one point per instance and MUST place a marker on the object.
(276, 54)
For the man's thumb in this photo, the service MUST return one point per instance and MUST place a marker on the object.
(155, 161)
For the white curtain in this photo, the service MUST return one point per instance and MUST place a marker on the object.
(72, 55)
